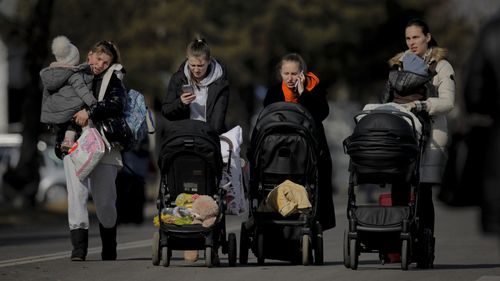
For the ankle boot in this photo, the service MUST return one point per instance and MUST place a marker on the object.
(108, 239)
(80, 242)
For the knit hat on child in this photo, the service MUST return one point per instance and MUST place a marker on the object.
(64, 51)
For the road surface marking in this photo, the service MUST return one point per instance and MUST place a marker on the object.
(67, 254)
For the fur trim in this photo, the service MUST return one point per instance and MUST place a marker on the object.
(436, 55)
(395, 60)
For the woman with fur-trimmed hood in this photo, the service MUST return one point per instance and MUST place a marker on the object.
(421, 43)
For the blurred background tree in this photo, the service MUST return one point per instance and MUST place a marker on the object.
(348, 41)
(345, 42)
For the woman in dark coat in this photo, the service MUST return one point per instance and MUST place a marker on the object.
(199, 90)
(299, 86)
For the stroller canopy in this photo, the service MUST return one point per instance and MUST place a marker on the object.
(284, 141)
(193, 137)
(281, 114)
(382, 143)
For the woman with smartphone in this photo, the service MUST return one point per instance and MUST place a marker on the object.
(297, 85)
(199, 90)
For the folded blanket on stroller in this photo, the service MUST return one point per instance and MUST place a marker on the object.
(392, 106)
(287, 198)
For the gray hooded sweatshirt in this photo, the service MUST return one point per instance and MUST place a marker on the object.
(199, 105)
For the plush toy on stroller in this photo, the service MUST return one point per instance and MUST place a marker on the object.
(191, 205)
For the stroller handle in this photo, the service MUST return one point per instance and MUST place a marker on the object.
(230, 145)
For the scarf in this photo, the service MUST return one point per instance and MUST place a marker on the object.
(290, 96)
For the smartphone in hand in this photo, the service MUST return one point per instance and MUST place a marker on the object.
(301, 74)
(296, 86)
(187, 89)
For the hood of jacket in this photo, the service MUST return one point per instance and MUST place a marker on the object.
(436, 55)
(54, 77)
(215, 73)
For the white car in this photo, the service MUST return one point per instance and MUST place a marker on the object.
(52, 186)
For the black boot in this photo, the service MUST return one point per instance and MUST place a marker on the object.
(80, 242)
(108, 239)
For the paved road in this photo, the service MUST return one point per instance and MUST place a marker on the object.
(35, 246)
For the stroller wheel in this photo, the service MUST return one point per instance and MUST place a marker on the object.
(347, 258)
(405, 254)
(353, 254)
(244, 244)
(260, 248)
(425, 259)
(208, 257)
(231, 249)
(318, 245)
(306, 249)
(155, 257)
(166, 253)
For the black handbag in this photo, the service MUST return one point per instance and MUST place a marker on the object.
(116, 131)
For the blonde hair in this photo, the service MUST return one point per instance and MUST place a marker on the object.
(199, 48)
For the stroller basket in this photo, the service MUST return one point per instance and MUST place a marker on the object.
(379, 217)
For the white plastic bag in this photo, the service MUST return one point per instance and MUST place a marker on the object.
(232, 177)
(87, 152)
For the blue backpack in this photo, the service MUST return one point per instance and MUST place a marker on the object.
(138, 117)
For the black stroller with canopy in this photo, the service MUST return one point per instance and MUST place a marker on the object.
(385, 150)
(190, 162)
(283, 147)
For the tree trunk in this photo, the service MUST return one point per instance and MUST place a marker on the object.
(25, 177)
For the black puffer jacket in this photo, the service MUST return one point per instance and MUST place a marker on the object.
(113, 102)
(217, 101)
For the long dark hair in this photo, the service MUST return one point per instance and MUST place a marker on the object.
(425, 30)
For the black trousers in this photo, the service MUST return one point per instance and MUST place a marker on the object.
(425, 205)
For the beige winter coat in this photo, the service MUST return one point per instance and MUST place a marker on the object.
(435, 156)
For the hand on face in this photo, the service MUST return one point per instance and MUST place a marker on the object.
(301, 81)
(292, 76)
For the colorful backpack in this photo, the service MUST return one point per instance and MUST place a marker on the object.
(138, 116)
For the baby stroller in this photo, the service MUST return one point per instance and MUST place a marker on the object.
(283, 147)
(385, 149)
(190, 162)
